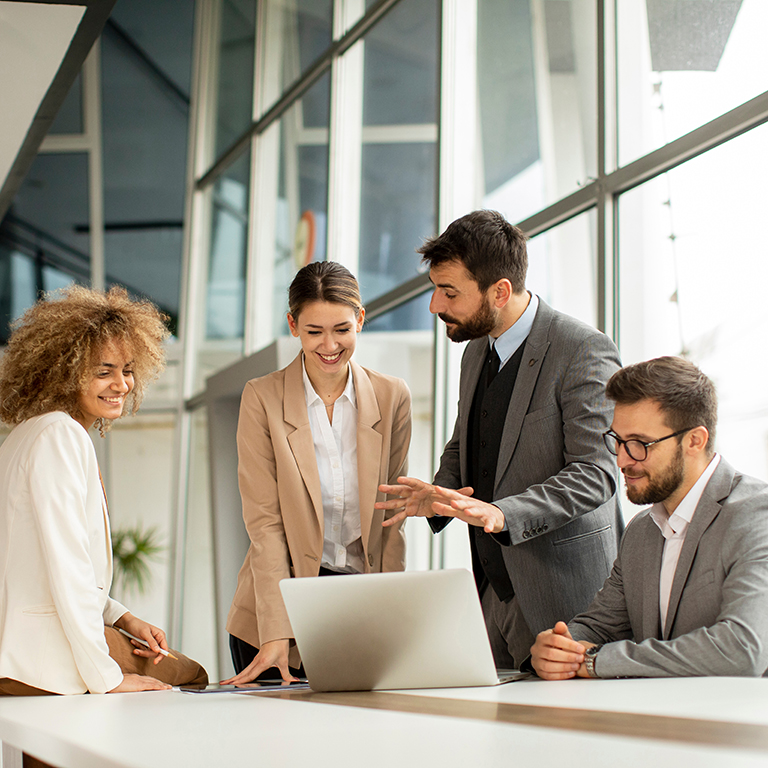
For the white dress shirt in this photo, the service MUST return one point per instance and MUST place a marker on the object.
(673, 528)
(336, 455)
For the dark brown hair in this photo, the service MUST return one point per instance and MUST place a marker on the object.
(686, 396)
(323, 281)
(56, 343)
(488, 246)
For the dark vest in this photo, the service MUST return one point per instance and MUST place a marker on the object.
(486, 425)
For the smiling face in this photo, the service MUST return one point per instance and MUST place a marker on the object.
(661, 476)
(328, 333)
(457, 300)
(104, 394)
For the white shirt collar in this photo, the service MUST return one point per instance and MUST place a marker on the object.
(509, 341)
(311, 396)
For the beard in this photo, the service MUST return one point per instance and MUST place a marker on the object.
(660, 486)
(475, 327)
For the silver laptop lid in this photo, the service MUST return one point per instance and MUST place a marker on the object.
(421, 629)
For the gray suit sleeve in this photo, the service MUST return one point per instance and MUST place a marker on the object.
(587, 479)
(735, 645)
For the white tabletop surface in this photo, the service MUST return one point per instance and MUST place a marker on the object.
(729, 699)
(150, 730)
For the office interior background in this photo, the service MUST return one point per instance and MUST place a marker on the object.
(208, 149)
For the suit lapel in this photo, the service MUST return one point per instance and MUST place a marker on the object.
(650, 572)
(300, 440)
(369, 444)
(717, 489)
(535, 349)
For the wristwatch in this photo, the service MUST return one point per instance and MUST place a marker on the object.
(589, 659)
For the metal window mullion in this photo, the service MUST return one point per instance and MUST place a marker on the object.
(192, 277)
(345, 150)
(741, 119)
(607, 118)
(92, 125)
(458, 135)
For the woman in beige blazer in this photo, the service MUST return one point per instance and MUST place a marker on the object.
(74, 361)
(315, 440)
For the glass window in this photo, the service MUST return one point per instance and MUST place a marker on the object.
(681, 64)
(408, 354)
(224, 316)
(44, 237)
(302, 194)
(399, 155)
(692, 283)
(562, 267)
(536, 95)
(145, 96)
(138, 474)
(296, 34)
(69, 118)
(234, 91)
(198, 613)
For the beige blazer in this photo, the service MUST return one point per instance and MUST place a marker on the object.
(280, 490)
(55, 560)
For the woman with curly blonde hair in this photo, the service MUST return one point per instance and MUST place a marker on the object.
(76, 360)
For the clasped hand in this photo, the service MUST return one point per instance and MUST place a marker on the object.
(557, 656)
(415, 498)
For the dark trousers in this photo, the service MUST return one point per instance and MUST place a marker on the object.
(244, 653)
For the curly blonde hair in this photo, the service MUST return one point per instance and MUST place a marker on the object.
(56, 344)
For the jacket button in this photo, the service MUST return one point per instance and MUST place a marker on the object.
(531, 363)
(539, 530)
(370, 559)
(484, 414)
(546, 527)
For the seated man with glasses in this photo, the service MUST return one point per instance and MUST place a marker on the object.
(688, 593)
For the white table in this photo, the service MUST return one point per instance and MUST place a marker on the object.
(703, 722)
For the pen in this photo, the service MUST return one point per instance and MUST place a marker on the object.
(144, 642)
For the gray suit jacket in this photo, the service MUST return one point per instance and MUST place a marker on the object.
(555, 480)
(717, 621)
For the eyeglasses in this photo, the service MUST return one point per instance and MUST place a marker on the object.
(637, 450)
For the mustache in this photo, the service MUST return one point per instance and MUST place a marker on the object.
(447, 318)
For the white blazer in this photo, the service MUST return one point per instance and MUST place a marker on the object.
(55, 560)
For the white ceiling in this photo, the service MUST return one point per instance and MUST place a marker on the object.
(34, 38)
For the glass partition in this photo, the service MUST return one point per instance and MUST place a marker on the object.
(399, 154)
(138, 476)
(301, 217)
(198, 613)
(45, 236)
(145, 118)
(69, 118)
(296, 33)
(693, 269)
(681, 64)
(536, 100)
(235, 61)
(224, 317)
(562, 267)
(408, 353)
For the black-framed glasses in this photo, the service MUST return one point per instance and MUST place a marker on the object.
(637, 450)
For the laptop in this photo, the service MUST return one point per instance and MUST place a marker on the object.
(384, 631)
